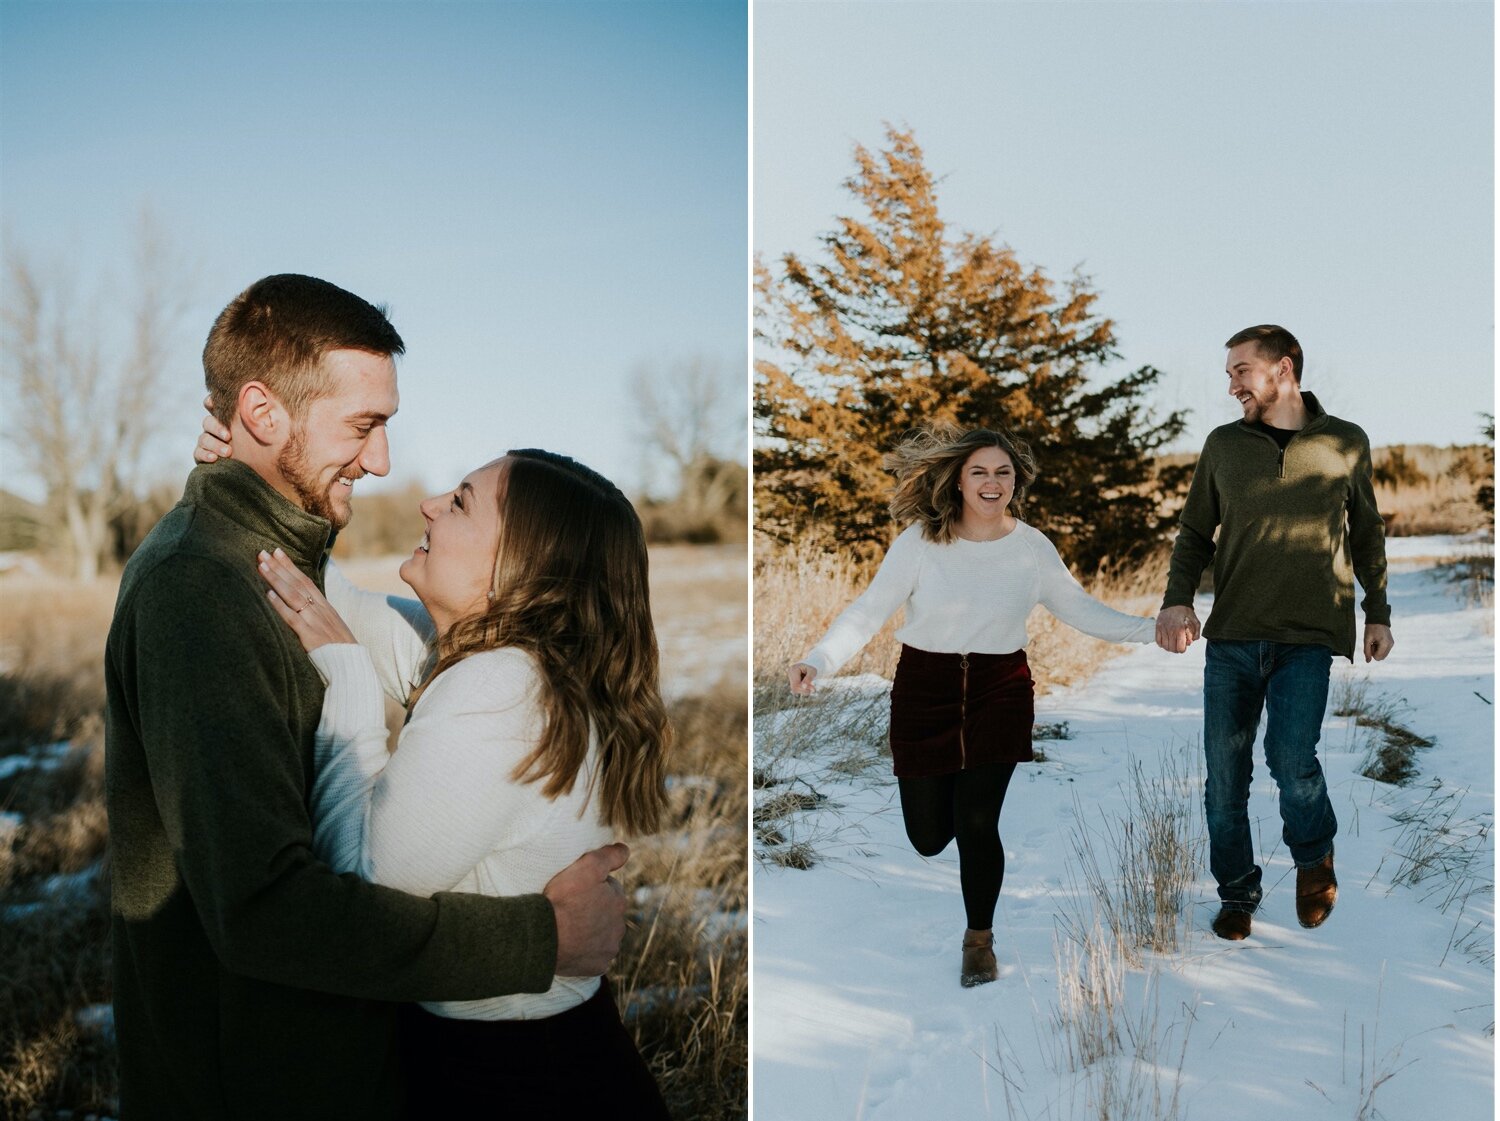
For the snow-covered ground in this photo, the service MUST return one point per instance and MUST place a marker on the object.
(1386, 1009)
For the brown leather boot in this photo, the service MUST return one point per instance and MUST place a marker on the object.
(1232, 925)
(1317, 888)
(979, 958)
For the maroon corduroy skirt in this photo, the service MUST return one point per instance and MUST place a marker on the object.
(951, 712)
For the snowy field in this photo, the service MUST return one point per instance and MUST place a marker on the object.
(1384, 1012)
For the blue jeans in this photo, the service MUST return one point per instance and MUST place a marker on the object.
(1291, 682)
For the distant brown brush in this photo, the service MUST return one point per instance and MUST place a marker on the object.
(1422, 489)
(52, 636)
(800, 591)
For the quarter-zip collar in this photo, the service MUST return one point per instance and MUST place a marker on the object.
(1317, 418)
(233, 490)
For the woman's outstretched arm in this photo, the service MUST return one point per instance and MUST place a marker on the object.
(858, 623)
(1062, 595)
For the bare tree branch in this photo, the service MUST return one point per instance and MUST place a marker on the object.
(81, 412)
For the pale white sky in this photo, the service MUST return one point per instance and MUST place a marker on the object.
(1325, 166)
(547, 195)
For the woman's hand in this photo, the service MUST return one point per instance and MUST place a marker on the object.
(800, 677)
(213, 444)
(299, 603)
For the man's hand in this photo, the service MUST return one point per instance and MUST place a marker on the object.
(1177, 628)
(800, 677)
(1378, 642)
(589, 905)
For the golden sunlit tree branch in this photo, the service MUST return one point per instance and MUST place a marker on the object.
(899, 322)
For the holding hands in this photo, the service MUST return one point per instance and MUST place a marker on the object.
(1177, 628)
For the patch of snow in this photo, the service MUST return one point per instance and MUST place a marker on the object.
(46, 758)
(857, 1007)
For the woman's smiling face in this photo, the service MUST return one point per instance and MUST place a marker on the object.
(986, 482)
(453, 569)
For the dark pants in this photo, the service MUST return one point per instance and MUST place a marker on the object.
(578, 1064)
(965, 805)
(1290, 681)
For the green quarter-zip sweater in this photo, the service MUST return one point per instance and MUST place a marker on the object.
(1295, 528)
(251, 981)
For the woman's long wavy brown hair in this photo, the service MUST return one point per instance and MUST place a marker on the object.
(570, 588)
(926, 464)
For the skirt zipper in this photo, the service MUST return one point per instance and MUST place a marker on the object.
(963, 709)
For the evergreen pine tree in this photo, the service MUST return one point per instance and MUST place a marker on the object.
(901, 324)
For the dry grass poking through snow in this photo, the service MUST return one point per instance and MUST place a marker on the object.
(1138, 867)
(54, 893)
(681, 980)
(1390, 746)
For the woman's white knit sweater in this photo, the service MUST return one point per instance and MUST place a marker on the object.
(970, 597)
(441, 813)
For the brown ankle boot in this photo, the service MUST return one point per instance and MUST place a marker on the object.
(979, 958)
(1317, 888)
(1232, 925)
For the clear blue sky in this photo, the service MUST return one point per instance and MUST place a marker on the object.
(547, 195)
(1326, 166)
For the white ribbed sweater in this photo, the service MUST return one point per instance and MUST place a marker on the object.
(970, 597)
(442, 812)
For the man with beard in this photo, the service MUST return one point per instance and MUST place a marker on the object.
(250, 980)
(1288, 489)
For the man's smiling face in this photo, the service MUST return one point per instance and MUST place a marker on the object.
(342, 437)
(1256, 381)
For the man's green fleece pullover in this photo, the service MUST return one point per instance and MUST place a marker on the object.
(1295, 528)
(250, 981)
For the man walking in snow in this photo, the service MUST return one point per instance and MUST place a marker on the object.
(1282, 502)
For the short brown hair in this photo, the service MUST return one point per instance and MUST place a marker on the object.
(278, 330)
(1274, 343)
(926, 464)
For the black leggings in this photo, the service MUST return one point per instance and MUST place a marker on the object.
(965, 805)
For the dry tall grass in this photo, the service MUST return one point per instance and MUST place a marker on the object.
(800, 591)
(681, 979)
(54, 943)
(1139, 866)
(1422, 489)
